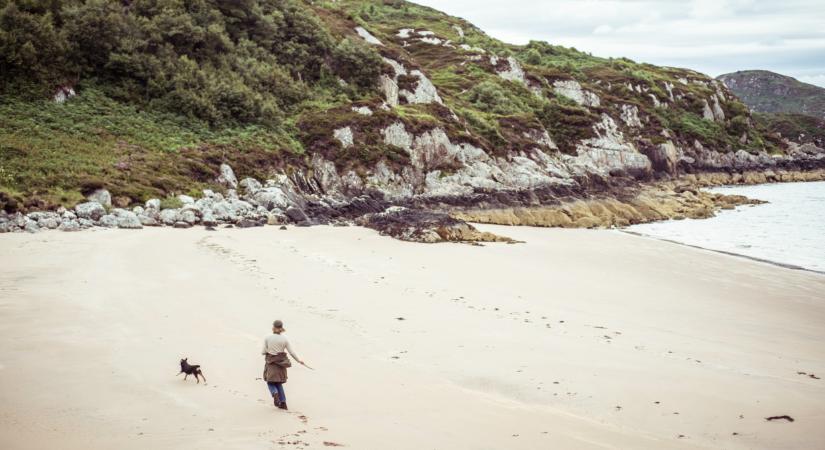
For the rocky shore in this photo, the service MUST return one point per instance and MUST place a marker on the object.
(419, 220)
(585, 197)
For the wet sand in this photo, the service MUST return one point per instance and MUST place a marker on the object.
(574, 339)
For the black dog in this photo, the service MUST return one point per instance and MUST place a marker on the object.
(189, 369)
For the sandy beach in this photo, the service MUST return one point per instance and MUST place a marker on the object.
(573, 339)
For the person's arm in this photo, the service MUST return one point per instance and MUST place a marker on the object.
(263, 352)
(291, 352)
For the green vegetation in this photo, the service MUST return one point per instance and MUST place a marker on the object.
(797, 127)
(169, 89)
(54, 152)
(223, 62)
(769, 92)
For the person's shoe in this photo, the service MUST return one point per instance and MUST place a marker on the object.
(282, 405)
(275, 400)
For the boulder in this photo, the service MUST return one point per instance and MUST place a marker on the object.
(276, 218)
(227, 177)
(90, 210)
(108, 221)
(344, 136)
(208, 219)
(101, 196)
(250, 185)
(153, 203)
(129, 220)
(188, 216)
(182, 224)
(85, 223)
(247, 223)
(148, 221)
(138, 210)
(169, 216)
(270, 198)
(186, 200)
(49, 222)
(298, 217)
(69, 225)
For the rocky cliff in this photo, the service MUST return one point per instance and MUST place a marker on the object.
(453, 122)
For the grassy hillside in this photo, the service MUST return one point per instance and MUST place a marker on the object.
(770, 92)
(167, 90)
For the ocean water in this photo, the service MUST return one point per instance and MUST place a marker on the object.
(789, 230)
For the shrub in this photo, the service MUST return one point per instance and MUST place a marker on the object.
(489, 96)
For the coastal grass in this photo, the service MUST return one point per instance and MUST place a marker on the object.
(51, 153)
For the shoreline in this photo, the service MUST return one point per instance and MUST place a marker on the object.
(685, 197)
(724, 252)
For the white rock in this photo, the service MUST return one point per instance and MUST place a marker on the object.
(425, 91)
(108, 221)
(169, 216)
(718, 113)
(344, 136)
(153, 203)
(669, 88)
(468, 48)
(367, 36)
(514, 72)
(573, 90)
(188, 216)
(608, 151)
(101, 196)
(630, 116)
(186, 200)
(49, 222)
(363, 110)
(129, 220)
(227, 177)
(397, 135)
(90, 210)
(458, 30)
(397, 67)
(69, 225)
(208, 219)
(404, 33)
(270, 198)
(63, 93)
(148, 221)
(390, 89)
(250, 185)
(707, 113)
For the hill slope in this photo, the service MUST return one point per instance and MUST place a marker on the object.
(332, 101)
(770, 92)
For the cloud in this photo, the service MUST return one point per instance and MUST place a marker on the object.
(712, 36)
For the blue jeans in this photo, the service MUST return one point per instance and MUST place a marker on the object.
(277, 388)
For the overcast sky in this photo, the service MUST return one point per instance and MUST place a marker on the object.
(711, 36)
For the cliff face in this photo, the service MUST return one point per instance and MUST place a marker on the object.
(770, 92)
(450, 118)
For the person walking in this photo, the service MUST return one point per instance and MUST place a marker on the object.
(277, 362)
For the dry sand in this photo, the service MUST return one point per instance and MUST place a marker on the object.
(575, 339)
